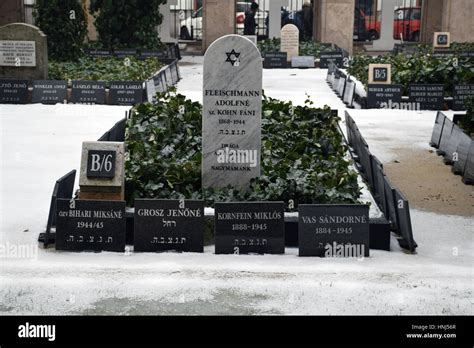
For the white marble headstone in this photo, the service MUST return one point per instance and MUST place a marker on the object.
(232, 111)
(290, 36)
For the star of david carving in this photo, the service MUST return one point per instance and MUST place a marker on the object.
(229, 57)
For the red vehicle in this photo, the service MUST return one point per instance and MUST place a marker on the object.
(406, 25)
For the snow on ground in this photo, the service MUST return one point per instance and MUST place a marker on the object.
(39, 143)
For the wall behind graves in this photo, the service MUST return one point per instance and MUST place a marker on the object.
(217, 20)
(334, 22)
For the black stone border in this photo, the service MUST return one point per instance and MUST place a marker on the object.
(390, 200)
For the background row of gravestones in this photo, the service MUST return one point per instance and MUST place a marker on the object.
(17, 91)
(390, 199)
(391, 96)
(456, 147)
(378, 228)
(332, 54)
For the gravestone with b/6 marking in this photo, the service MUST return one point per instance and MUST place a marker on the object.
(232, 112)
(102, 170)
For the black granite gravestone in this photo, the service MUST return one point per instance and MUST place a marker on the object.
(49, 91)
(13, 91)
(125, 52)
(326, 58)
(468, 176)
(443, 54)
(62, 189)
(376, 172)
(152, 54)
(428, 96)
(349, 92)
(384, 96)
(90, 225)
(161, 225)
(379, 182)
(99, 52)
(445, 135)
(437, 129)
(404, 222)
(390, 202)
(250, 227)
(450, 155)
(126, 92)
(462, 152)
(90, 92)
(117, 132)
(333, 230)
(460, 93)
(275, 60)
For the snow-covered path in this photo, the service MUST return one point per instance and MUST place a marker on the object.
(40, 143)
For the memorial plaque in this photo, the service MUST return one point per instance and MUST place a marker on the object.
(17, 53)
(384, 96)
(441, 40)
(125, 52)
(466, 54)
(126, 92)
(13, 91)
(380, 74)
(102, 169)
(327, 230)
(290, 41)
(49, 91)
(99, 52)
(275, 60)
(460, 93)
(334, 57)
(232, 111)
(302, 62)
(250, 227)
(169, 225)
(429, 96)
(23, 52)
(443, 54)
(101, 164)
(88, 92)
(90, 225)
(152, 54)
